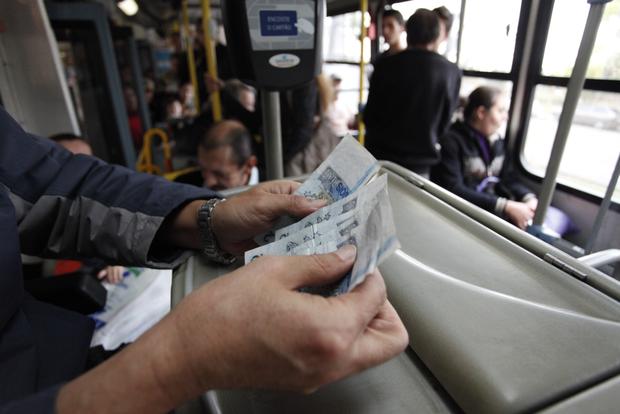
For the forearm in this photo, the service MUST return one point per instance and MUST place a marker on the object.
(150, 375)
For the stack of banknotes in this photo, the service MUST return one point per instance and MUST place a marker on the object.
(358, 212)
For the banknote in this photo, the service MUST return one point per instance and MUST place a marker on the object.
(349, 167)
(286, 245)
(327, 213)
(374, 237)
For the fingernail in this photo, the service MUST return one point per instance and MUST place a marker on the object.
(347, 253)
(101, 274)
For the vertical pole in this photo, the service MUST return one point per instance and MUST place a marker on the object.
(191, 64)
(575, 85)
(216, 102)
(602, 210)
(360, 123)
(272, 134)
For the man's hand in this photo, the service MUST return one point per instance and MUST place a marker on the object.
(239, 219)
(253, 329)
(249, 329)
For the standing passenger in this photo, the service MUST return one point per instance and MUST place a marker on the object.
(411, 99)
(445, 24)
(392, 28)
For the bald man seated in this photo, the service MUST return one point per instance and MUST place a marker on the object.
(225, 158)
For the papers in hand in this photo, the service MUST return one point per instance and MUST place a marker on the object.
(349, 167)
(358, 212)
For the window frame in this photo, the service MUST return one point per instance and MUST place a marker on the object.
(518, 136)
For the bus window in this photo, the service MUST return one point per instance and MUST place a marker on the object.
(563, 41)
(341, 51)
(341, 39)
(489, 33)
(593, 143)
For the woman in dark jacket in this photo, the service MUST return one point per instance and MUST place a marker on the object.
(472, 161)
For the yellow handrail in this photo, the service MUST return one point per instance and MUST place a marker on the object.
(191, 63)
(145, 159)
(216, 103)
(360, 122)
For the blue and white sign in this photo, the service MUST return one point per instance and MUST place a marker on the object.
(278, 23)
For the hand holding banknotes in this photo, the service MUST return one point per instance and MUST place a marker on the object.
(249, 329)
(239, 219)
(257, 327)
(295, 341)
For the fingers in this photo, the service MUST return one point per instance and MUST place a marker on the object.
(292, 205)
(384, 337)
(295, 272)
(102, 273)
(111, 274)
(366, 299)
(279, 187)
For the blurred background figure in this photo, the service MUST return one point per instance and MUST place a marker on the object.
(446, 19)
(133, 115)
(339, 115)
(393, 27)
(225, 158)
(245, 94)
(187, 98)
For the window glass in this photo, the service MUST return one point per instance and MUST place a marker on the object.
(567, 25)
(593, 143)
(489, 34)
(341, 38)
(407, 8)
(469, 83)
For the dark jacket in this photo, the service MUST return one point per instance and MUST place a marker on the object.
(55, 204)
(412, 97)
(463, 168)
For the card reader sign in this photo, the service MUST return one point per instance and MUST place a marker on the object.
(278, 23)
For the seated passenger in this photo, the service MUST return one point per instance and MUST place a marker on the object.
(472, 161)
(225, 158)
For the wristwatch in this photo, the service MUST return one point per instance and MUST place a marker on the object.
(210, 247)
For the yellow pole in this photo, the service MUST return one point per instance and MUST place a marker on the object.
(360, 122)
(216, 102)
(191, 64)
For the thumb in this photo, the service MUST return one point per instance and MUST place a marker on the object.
(315, 270)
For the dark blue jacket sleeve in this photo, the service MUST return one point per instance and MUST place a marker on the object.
(43, 402)
(75, 206)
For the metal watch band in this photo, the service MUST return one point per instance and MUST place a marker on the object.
(210, 247)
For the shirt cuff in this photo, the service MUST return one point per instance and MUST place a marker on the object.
(528, 197)
(500, 205)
